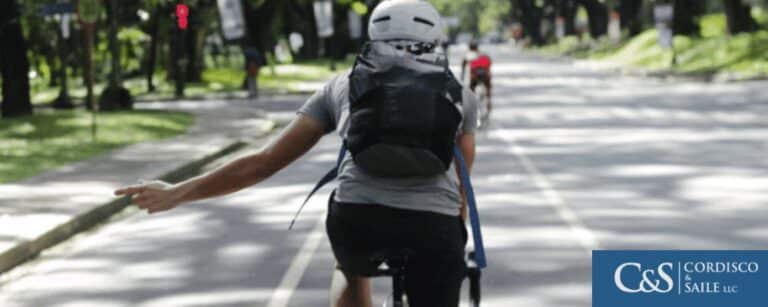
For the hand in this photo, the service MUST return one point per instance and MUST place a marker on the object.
(155, 196)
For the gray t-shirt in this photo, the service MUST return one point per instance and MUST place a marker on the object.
(439, 193)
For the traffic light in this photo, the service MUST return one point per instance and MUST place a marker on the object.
(182, 11)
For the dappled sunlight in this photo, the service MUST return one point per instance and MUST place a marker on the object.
(27, 227)
(234, 254)
(161, 269)
(217, 297)
(92, 303)
(727, 194)
(644, 164)
(574, 159)
(67, 282)
(528, 236)
(66, 189)
(177, 225)
(229, 251)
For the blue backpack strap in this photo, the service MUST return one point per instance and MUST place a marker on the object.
(474, 218)
(332, 174)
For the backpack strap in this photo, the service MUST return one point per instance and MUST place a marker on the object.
(332, 174)
(474, 219)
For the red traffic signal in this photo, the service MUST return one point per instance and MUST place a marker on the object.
(182, 11)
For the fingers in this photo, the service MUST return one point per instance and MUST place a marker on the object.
(151, 204)
(142, 187)
(135, 189)
(159, 209)
(153, 200)
(153, 196)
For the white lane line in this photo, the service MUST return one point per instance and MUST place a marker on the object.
(585, 236)
(292, 277)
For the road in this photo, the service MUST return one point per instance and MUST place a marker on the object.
(574, 160)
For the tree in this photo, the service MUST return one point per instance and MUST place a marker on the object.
(739, 16)
(597, 13)
(115, 96)
(202, 14)
(13, 62)
(685, 14)
(630, 12)
(155, 9)
(300, 18)
(530, 16)
(567, 9)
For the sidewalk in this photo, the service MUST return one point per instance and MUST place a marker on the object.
(46, 209)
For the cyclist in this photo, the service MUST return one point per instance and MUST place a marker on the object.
(366, 212)
(479, 67)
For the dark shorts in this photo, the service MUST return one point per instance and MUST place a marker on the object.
(480, 76)
(486, 81)
(436, 266)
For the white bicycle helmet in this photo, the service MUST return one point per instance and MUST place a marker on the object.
(406, 20)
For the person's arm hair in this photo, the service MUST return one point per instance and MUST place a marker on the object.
(466, 143)
(295, 140)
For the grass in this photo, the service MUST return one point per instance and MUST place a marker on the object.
(287, 79)
(49, 139)
(712, 52)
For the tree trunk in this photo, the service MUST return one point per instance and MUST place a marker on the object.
(300, 19)
(53, 67)
(177, 60)
(312, 43)
(114, 96)
(598, 17)
(530, 16)
(567, 10)
(739, 17)
(154, 31)
(686, 12)
(63, 101)
(193, 48)
(115, 75)
(630, 12)
(14, 64)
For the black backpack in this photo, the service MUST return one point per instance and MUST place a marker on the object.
(405, 110)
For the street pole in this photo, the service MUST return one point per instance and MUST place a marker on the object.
(182, 12)
(180, 63)
(89, 79)
(88, 12)
(63, 101)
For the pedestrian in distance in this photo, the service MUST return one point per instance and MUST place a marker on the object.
(477, 67)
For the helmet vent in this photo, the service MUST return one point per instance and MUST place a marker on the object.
(422, 20)
(383, 18)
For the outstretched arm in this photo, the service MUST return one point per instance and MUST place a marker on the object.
(303, 133)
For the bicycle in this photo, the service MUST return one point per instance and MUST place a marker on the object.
(394, 263)
(483, 107)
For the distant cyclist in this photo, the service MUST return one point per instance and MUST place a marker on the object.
(479, 67)
(404, 120)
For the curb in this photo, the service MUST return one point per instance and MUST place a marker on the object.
(29, 250)
(77, 103)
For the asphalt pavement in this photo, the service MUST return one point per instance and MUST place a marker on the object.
(574, 160)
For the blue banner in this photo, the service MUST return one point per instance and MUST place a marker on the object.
(679, 278)
(57, 8)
